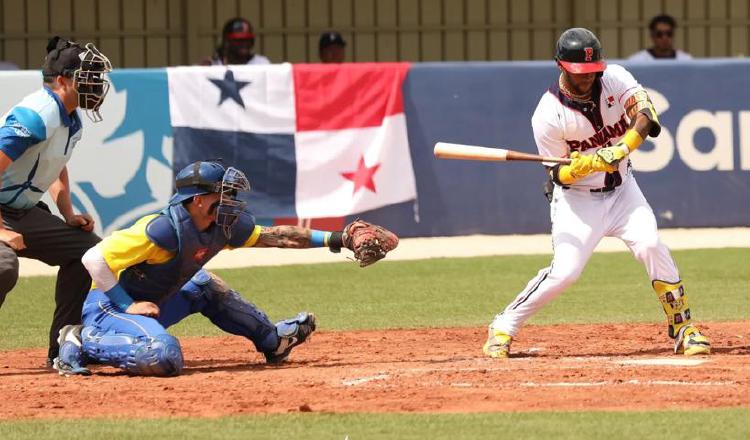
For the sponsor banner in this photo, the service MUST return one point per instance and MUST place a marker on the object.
(696, 173)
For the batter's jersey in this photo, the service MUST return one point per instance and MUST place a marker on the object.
(562, 125)
(38, 135)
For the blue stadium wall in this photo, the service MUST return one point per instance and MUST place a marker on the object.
(697, 173)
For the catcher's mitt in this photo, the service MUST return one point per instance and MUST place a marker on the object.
(369, 242)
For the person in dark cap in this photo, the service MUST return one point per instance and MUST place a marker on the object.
(332, 47)
(37, 138)
(237, 43)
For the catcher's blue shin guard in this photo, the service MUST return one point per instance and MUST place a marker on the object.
(159, 355)
(229, 311)
(291, 332)
(71, 359)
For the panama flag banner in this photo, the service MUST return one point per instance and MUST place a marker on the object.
(315, 140)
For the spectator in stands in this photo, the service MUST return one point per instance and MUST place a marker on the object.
(237, 43)
(332, 47)
(662, 29)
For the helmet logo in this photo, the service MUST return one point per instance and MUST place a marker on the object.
(589, 53)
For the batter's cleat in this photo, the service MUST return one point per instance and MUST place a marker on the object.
(691, 342)
(498, 344)
(70, 360)
(292, 332)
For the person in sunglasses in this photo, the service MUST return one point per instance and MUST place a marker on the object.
(662, 29)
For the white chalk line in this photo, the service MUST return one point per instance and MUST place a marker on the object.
(669, 362)
(363, 380)
(629, 382)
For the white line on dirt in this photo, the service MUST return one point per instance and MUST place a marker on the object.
(629, 382)
(362, 380)
(677, 362)
(565, 384)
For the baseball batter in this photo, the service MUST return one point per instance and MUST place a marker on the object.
(596, 114)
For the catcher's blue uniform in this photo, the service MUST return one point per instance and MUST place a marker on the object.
(160, 260)
(178, 285)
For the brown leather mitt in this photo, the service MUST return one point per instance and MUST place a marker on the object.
(369, 242)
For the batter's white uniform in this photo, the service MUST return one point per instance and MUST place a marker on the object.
(596, 206)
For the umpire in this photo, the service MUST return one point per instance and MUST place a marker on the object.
(37, 138)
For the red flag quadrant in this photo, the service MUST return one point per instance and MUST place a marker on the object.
(351, 144)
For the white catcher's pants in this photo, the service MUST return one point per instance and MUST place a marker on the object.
(580, 219)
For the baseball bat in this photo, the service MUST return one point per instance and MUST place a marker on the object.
(446, 150)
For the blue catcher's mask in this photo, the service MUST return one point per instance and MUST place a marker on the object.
(210, 177)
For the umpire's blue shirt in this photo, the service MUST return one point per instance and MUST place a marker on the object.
(39, 136)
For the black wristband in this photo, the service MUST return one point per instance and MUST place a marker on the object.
(336, 241)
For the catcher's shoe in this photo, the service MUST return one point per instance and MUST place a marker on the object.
(292, 332)
(70, 361)
(498, 344)
(690, 342)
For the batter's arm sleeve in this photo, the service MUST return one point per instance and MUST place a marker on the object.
(634, 101)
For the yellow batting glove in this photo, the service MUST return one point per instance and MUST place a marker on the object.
(598, 163)
(628, 143)
(613, 155)
(580, 167)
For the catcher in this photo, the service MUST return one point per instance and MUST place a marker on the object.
(150, 276)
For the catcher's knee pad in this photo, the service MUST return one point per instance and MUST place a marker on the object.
(157, 356)
(232, 313)
(674, 300)
(195, 288)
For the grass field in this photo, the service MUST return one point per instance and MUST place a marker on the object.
(427, 293)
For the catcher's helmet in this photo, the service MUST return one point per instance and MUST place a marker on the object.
(210, 177)
(579, 51)
(197, 178)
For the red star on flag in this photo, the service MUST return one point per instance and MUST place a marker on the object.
(363, 176)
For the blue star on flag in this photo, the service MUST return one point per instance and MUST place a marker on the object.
(230, 88)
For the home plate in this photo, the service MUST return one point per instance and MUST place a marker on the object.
(676, 362)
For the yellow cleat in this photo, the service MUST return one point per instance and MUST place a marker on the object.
(497, 345)
(691, 342)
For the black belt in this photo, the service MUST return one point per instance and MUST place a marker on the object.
(604, 189)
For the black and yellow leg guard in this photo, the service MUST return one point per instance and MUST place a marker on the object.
(688, 340)
(675, 303)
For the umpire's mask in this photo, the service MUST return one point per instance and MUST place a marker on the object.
(90, 82)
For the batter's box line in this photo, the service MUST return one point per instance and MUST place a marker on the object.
(628, 382)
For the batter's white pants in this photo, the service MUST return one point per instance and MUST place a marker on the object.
(580, 219)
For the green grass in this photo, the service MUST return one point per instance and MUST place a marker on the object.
(436, 293)
(705, 424)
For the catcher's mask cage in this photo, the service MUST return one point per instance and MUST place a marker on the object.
(230, 206)
(90, 82)
(210, 177)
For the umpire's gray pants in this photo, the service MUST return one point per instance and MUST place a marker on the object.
(50, 240)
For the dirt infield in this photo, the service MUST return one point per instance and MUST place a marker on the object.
(570, 367)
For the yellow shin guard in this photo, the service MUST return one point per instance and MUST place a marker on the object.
(675, 302)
